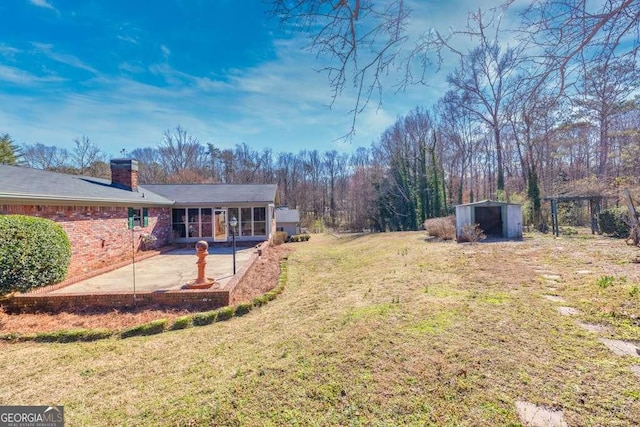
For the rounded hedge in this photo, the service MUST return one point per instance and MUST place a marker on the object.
(33, 252)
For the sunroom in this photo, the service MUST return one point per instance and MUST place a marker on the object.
(204, 211)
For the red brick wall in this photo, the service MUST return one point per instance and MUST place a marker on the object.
(98, 235)
(192, 299)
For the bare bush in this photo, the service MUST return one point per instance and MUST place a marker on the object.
(444, 228)
(472, 233)
(280, 237)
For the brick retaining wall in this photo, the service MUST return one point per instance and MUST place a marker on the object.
(200, 299)
(205, 299)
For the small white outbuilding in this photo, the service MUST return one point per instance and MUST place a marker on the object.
(288, 220)
(496, 219)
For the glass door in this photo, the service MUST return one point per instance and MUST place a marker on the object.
(220, 225)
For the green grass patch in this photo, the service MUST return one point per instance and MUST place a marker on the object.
(369, 312)
(495, 298)
(605, 281)
(335, 349)
(435, 324)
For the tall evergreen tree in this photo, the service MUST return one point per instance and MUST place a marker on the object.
(9, 151)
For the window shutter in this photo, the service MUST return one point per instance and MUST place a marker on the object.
(130, 221)
(145, 217)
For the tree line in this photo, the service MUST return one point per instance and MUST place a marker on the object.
(554, 110)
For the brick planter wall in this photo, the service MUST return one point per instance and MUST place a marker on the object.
(195, 299)
(200, 299)
(98, 235)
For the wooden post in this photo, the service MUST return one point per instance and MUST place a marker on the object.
(554, 217)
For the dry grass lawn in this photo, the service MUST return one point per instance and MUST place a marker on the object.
(384, 329)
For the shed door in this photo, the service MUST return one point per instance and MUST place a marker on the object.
(489, 219)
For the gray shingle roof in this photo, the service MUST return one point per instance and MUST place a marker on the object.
(287, 215)
(194, 194)
(33, 185)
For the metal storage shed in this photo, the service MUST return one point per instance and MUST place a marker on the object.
(496, 219)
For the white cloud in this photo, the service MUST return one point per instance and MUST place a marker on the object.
(21, 77)
(42, 3)
(185, 80)
(166, 52)
(8, 51)
(64, 58)
(128, 39)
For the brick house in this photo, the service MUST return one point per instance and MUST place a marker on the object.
(106, 220)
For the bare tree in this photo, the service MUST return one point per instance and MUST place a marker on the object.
(84, 154)
(485, 81)
(151, 170)
(361, 38)
(180, 151)
(364, 39)
(46, 157)
(458, 128)
(566, 34)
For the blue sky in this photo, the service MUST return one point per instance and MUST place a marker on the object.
(122, 73)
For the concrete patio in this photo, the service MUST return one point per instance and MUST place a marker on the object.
(167, 271)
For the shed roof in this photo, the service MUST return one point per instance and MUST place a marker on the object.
(28, 185)
(287, 215)
(194, 194)
(489, 203)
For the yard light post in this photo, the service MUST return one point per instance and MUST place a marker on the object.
(233, 222)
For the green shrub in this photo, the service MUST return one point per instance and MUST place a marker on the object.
(73, 335)
(280, 237)
(614, 222)
(271, 295)
(33, 252)
(206, 318)
(225, 313)
(182, 323)
(242, 309)
(299, 238)
(151, 328)
(260, 301)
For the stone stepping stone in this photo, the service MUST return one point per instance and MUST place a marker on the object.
(636, 370)
(554, 298)
(621, 348)
(568, 311)
(599, 329)
(552, 277)
(539, 416)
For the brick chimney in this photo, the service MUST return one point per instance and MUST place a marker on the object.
(124, 174)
